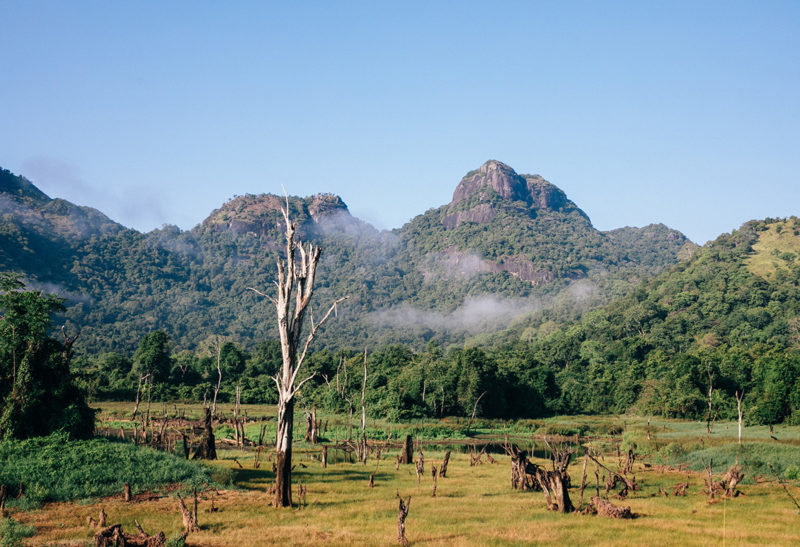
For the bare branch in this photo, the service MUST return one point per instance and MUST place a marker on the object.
(259, 293)
(313, 333)
(299, 385)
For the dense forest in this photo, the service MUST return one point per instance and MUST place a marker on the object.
(632, 319)
(728, 319)
(508, 246)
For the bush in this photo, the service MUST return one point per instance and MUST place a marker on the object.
(55, 468)
(12, 532)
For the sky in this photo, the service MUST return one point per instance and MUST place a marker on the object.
(685, 113)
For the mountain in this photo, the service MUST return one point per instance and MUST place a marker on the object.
(729, 314)
(507, 246)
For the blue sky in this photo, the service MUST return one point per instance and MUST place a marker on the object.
(686, 113)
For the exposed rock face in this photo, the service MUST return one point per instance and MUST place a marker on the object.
(495, 179)
(260, 214)
(480, 214)
(496, 175)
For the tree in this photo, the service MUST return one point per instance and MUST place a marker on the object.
(37, 393)
(152, 362)
(295, 288)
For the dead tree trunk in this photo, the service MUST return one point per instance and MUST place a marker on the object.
(142, 378)
(474, 409)
(443, 469)
(363, 439)
(583, 480)
(555, 483)
(407, 455)
(606, 509)
(208, 447)
(189, 524)
(3, 496)
(739, 397)
(709, 419)
(402, 513)
(295, 288)
(324, 457)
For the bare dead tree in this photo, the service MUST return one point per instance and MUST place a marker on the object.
(189, 523)
(295, 288)
(363, 440)
(474, 408)
(216, 347)
(739, 397)
(402, 513)
(711, 417)
(142, 378)
(443, 469)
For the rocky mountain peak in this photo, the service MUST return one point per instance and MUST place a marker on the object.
(475, 197)
(495, 175)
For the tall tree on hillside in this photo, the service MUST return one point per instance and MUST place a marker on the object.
(295, 287)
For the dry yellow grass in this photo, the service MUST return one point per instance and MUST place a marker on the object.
(474, 505)
(774, 249)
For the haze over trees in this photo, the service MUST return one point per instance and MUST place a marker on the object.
(500, 291)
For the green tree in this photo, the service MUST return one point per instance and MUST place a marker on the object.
(37, 394)
(152, 363)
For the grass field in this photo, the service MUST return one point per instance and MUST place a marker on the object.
(473, 505)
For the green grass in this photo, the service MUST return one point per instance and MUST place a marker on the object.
(756, 459)
(473, 505)
(777, 247)
(55, 468)
(12, 532)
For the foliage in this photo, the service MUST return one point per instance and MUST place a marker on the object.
(121, 284)
(12, 532)
(653, 351)
(55, 468)
(37, 395)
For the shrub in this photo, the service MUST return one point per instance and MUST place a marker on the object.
(55, 468)
(12, 532)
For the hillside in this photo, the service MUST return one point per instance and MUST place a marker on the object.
(732, 312)
(506, 247)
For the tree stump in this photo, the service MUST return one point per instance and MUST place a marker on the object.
(324, 457)
(402, 513)
(127, 492)
(113, 536)
(189, 523)
(443, 469)
(606, 509)
(208, 448)
(407, 455)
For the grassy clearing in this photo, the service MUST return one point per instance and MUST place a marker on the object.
(777, 247)
(473, 505)
(756, 459)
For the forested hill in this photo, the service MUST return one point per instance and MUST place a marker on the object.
(732, 312)
(507, 246)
